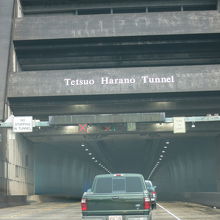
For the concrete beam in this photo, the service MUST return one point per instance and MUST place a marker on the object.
(114, 81)
(109, 129)
(197, 119)
(197, 104)
(39, 8)
(72, 26)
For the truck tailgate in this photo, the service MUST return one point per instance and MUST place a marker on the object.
(116, 202)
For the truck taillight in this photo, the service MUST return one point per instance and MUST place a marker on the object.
(84, 205)
(154, 194)
(147, 204)
(118, 174)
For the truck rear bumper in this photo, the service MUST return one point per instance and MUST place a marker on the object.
(125, 217)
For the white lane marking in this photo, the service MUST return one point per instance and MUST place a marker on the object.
(177, 218)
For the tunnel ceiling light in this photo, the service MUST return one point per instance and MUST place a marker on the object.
(93, 158)
(167, 142)
(90, 153)
(165, 147)
(83, 145)
(161, 155)
(163, 151)
(160, 158)
(86, 149)
(96, 161)
(193, 125)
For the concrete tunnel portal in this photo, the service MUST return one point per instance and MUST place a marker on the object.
(66, 160)
(134, 58)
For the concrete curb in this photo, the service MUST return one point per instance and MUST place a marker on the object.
(8, 201)
(205, 198)
(211, 199)
(50, 198)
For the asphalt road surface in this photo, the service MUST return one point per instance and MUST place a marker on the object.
(71, 211)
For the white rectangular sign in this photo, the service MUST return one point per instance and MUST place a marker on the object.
(131, 126)
(23, 124)
(179, 125)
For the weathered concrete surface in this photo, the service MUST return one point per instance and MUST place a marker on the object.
(6, 13)
(115, 81)
(70, 26)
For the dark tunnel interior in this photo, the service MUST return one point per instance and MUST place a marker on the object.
(188, 164)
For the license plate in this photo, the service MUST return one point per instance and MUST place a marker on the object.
(115, 217)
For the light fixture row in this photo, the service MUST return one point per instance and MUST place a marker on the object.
(163, 152)
(93, 158)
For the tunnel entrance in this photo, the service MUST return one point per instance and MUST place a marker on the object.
(68, 156)
(184, 165)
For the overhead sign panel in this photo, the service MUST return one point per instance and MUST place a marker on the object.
(23, 124)
(134, 80)
(106, 118)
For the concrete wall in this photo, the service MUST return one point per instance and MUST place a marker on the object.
(189, 166)
(63, 170)
(19, 165)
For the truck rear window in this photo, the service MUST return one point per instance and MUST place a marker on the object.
(118, 185)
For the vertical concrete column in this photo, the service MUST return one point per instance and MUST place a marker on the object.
(3, 187)
(218, 5)
(218, 163)
(6, 21)
(20, 165)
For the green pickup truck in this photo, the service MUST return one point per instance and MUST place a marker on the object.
(117, 197)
